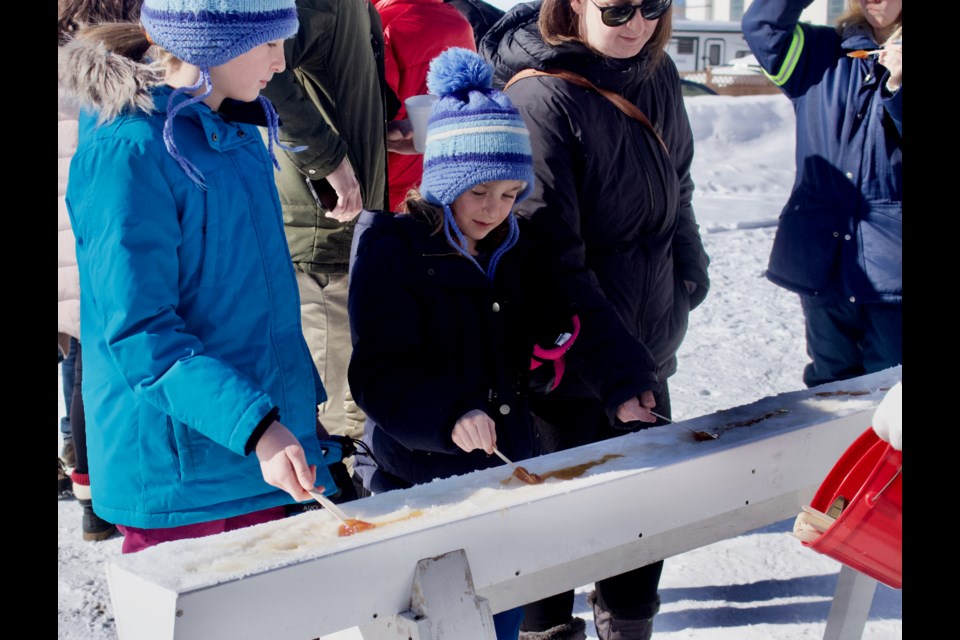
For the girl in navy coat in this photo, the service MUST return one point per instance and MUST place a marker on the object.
(446, 304)
(840, 236)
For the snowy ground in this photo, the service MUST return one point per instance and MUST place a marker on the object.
(745, 342)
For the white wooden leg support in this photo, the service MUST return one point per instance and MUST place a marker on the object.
(443, 605)
(851, 605)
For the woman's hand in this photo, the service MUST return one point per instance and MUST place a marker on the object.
(892, 58)
(400, 138)
(475, 430)
(283, 463)
(638, 408)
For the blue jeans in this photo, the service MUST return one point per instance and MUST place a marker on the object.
(507, 623)
(849, 339)
(66, 369)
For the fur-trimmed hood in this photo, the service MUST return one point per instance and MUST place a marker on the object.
(99, 80)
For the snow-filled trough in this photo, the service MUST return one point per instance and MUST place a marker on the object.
(640, 498)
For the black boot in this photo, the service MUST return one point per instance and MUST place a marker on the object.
(95, 528)
(612, 627)
(576, 629)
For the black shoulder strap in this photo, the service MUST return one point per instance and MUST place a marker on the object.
(619, 101)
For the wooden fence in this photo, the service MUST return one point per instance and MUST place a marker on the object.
(732, 84)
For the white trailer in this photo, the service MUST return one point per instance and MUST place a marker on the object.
(699, 44)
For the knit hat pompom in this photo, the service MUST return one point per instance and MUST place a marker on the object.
(474, 135)
(458, 70)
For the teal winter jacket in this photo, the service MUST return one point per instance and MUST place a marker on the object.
(190, 317)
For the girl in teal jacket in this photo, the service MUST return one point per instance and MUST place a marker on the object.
(193, 353)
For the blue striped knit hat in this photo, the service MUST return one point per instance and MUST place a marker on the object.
(209, 33)
(474, 135)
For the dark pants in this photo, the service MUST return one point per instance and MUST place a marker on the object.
(849, 339)
(67, 372)
(564, 423)
(78, 420)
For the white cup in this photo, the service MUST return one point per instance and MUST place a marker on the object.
(418, 112)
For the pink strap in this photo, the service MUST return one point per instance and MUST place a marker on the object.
(554, 353)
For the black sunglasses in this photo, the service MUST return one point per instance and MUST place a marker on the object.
(617, 15)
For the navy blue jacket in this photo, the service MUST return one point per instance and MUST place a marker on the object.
(840, 233)
(434, 338)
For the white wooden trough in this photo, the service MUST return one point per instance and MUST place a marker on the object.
(446, 555)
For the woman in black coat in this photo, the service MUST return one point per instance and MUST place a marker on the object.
(613, 196)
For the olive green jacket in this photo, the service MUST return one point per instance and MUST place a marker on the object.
(331, 100)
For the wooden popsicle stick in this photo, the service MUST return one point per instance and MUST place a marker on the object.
(329, 506)
(504, 458)
(817, 518)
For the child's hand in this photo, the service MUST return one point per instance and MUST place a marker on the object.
(475, 430)
(283, 463)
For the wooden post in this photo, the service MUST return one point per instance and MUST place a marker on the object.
(443, 605)
(851, 605)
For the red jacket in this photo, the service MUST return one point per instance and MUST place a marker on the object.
(414, 33)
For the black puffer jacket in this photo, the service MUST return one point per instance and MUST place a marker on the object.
(607, 195)
(481, 15)
(434, 338)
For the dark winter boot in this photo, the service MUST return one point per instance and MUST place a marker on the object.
(611, 627)
(64, 484)
(94, 527)
(576, 629)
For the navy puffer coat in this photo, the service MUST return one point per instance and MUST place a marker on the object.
(841, 232)
(434, 338)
